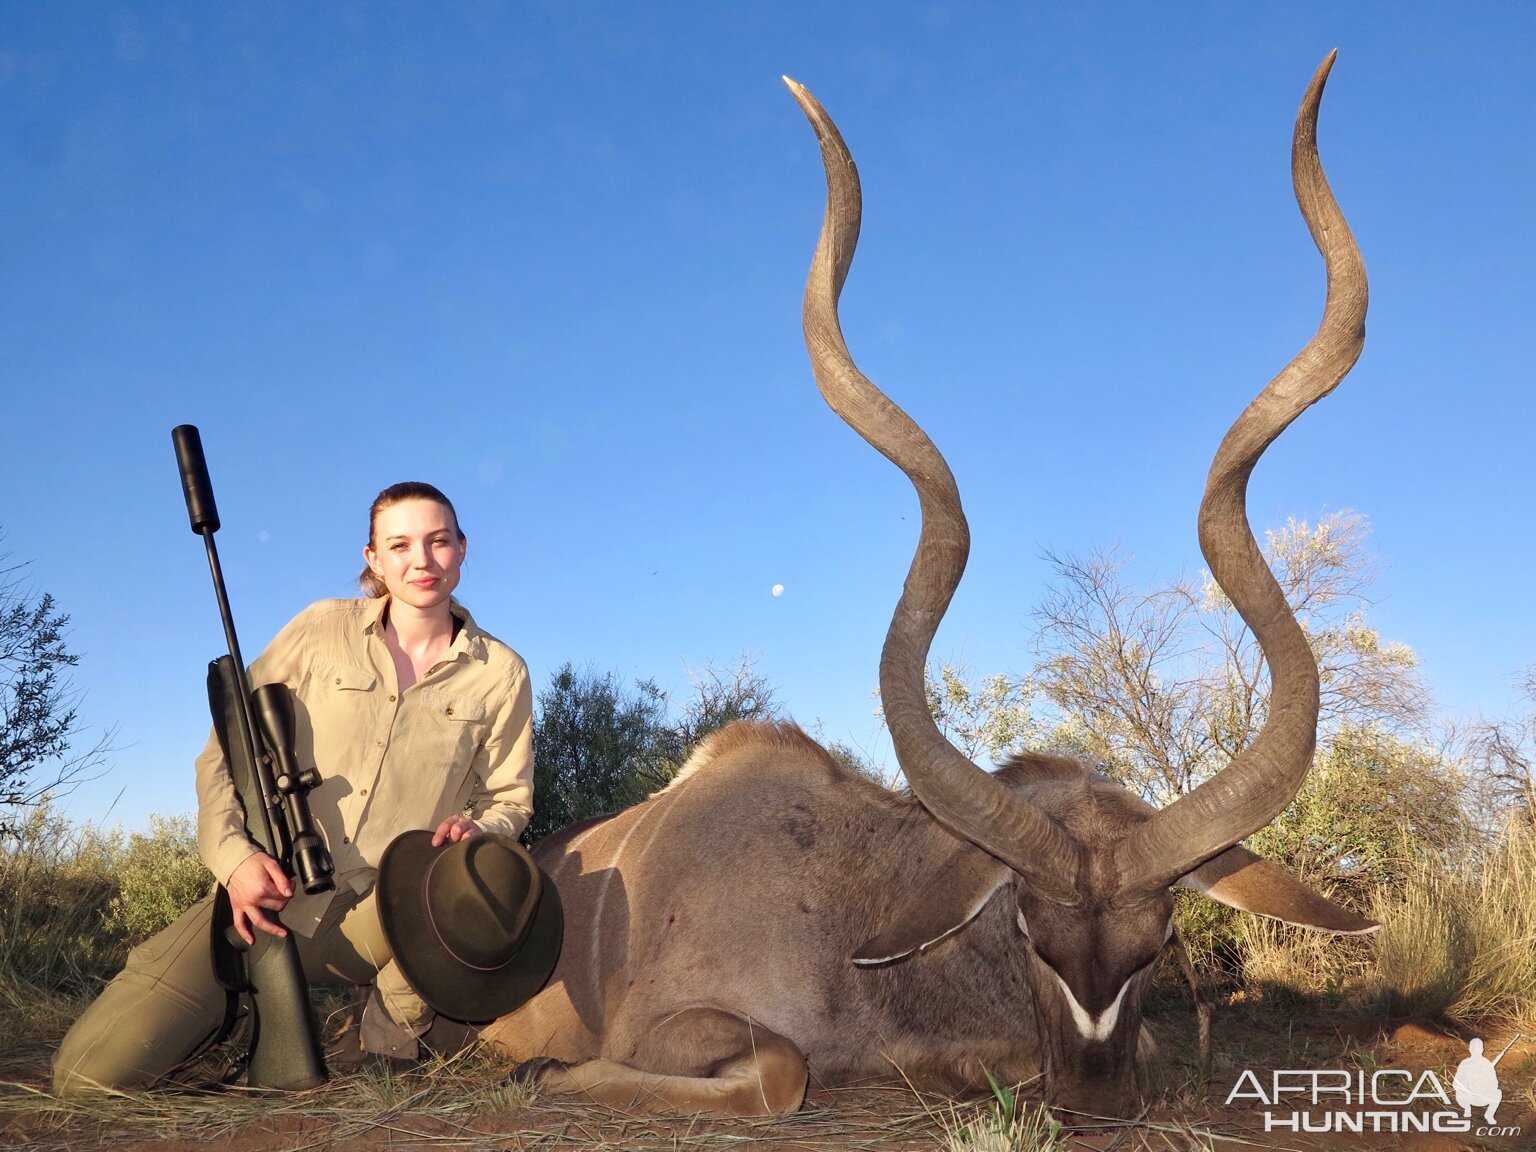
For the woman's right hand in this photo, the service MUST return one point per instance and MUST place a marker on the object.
(258, 883)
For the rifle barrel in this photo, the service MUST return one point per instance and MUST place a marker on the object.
(1506, 1048)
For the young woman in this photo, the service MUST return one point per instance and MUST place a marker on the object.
(415, 718)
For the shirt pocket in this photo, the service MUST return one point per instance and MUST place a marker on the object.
(453, 708)
(338, 677)
(458, 725)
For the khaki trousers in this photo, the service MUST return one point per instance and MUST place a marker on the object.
(166, 1003)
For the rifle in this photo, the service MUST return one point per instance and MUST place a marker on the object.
(1506, 1048)
(285, 1052)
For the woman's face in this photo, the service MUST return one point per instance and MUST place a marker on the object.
(416, 552)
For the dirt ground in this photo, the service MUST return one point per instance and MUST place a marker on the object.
(413, 1112)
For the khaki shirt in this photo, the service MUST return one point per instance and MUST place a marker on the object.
(460, 739)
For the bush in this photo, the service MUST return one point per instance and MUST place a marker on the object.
(55, 883)
(73, 900)
(159, 876)
(1371, 809)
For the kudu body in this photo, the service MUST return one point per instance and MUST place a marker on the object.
(769, 918)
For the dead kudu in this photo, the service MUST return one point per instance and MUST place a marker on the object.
(769, 918)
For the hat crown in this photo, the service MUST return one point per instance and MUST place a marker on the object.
(474, 926)
(480, 898)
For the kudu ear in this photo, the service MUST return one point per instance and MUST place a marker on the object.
(938, 903)
(1240, 879)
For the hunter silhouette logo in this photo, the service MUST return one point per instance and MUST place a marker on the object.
(1477, 1083)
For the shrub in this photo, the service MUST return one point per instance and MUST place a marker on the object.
(159, 876)
(55, 882)
(73, 900)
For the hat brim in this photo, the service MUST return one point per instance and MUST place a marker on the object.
(449, 987)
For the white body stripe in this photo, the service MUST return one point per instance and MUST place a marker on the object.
(871, 961)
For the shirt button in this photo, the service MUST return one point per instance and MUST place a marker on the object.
(379, 744)
(391, 699)
(346, 839)
(338, 679)
(364, 792)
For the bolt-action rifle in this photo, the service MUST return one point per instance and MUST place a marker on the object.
(273, 789)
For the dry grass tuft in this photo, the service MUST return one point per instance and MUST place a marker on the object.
(1004, 1123)
(1461, 944)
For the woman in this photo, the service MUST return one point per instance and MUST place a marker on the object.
(415, 718)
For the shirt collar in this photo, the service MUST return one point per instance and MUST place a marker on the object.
(372, 610)
(470, 640)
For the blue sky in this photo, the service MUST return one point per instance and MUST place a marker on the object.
(549, 257)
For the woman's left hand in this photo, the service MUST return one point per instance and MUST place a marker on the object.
(454, 829)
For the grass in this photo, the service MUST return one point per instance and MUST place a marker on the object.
(1002, 1124)
(1461, 945)
(462, 1102)
(453, 1092)
(73, 900)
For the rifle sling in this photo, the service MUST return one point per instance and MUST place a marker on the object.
(229, 960)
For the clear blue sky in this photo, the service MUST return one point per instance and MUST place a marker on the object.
(549, 257)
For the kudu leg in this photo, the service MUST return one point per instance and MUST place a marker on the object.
(696, 1060)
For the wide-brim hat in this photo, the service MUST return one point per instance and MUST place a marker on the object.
(474, 926)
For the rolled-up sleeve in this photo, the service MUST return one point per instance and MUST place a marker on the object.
(503, 800)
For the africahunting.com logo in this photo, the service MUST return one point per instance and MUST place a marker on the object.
(1384, 1100)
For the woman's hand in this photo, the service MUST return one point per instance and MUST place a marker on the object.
(258, 883)
(454, 829)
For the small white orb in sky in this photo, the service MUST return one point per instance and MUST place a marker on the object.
(778, 589)
(263, 535)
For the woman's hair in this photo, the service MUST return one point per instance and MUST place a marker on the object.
(398, 494)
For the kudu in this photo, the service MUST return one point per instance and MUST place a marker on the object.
(770, 918)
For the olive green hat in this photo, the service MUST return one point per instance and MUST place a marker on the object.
(475, 926)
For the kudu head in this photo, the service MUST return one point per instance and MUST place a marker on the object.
(1090, 865)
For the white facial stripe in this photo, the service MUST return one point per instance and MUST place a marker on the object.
(1090, 1028)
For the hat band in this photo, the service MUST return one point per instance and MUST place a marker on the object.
(432, 923)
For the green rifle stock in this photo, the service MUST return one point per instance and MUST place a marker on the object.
(285, 1052)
